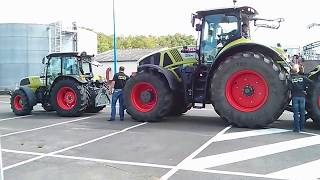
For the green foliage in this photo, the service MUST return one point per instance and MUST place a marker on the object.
(105, 42)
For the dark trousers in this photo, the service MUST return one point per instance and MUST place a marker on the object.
(117, 94)
(299, 110)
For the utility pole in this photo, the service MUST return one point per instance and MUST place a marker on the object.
(1, 167)
(114, 41)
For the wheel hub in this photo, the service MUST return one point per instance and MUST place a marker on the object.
(69, 97)
(146, 96)
(66, 98)
(248, 90)
(18, 104)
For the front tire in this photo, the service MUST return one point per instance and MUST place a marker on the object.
(68, 98)
(248, 90)
(92, 102)
(147, 97)
(20, 103)
(313, 102)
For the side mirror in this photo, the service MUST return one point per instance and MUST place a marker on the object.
(193, 19)
(198, 27)
(42, 75)
(43, 60)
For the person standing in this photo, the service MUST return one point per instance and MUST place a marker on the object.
(298, 84)
(118, 82)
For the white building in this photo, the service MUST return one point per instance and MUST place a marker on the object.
(125, 57)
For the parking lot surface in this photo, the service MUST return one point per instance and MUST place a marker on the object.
(197, 145)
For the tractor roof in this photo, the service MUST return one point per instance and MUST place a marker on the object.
(244, 9)
(75, 54)
(58, 54)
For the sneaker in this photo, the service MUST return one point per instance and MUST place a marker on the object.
(111, 120)
(295, 130)
(121, 119)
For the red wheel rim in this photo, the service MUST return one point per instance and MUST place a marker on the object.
(17, 101)
(247, 90)
(139, 90)
(66, 98)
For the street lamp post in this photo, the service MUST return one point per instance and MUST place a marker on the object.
(114, 41)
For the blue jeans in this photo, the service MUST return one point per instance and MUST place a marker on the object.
(117, 94)
(299, 111)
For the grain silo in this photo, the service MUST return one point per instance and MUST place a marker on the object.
(22, 47)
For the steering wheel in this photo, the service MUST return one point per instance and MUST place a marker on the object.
(223, 38)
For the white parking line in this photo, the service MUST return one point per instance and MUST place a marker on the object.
(136, 164)
(233, 173)
(313, 134)
(245, 134)
(304, 171)
(71, 147)
(194, 154)
(250, 153)
(114, 162)
(91, 159)
(44, 127)
(22, 152)
(17, 117)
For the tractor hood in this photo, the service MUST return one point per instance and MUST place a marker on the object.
(32, 82)
(171, 57)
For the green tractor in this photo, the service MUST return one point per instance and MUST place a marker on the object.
(245, 82)
(67, 86)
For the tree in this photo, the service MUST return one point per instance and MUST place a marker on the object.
(105, 42)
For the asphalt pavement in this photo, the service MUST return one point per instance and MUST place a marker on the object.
(197, 145)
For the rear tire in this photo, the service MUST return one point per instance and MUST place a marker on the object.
(147, 97)
(68, 98)
(313, 102)
(92, 102)
(248, 90)
(47, 107)
(19, 103)
(179, 105)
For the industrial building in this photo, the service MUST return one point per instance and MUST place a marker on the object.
(125, 57)
(22, 47)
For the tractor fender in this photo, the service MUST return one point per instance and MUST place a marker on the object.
(314, 74)
(170, 77)
(74, 77)
(30, 95)
(253, 47)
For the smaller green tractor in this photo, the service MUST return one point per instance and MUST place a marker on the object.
(66, 86)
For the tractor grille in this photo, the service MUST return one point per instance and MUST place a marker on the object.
(176, 55)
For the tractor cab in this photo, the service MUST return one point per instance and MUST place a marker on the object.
(68, 87)
(219, 27)
(67, 64)
(222, 28)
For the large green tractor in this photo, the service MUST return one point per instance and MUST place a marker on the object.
(246, 82)
(67, 86)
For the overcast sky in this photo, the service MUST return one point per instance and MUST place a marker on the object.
(159, 17)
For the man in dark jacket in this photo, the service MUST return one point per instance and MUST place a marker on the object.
(298, 83)
(118, 82)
